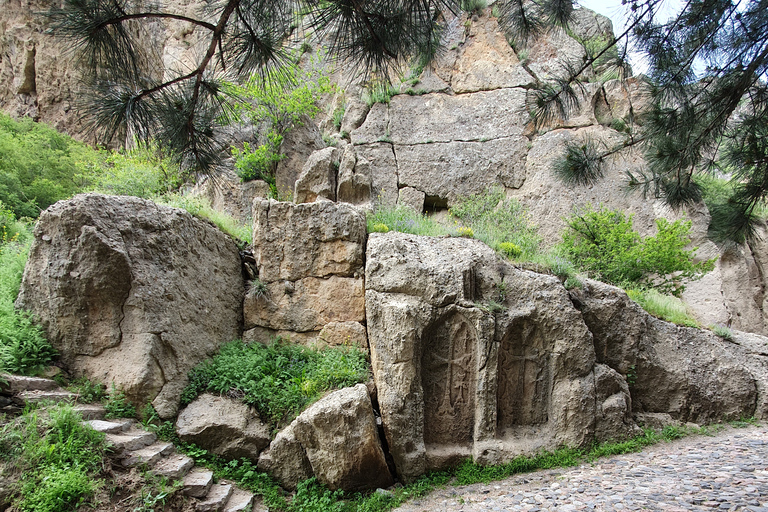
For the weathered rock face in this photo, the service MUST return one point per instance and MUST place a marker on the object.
(133, 293)
(310, 259)
(335, 439)
(457, 378)
(318, 177)
(690, 374)
(224, 426)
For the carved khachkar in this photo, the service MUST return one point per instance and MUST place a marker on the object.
(448, 380)
(523, 378)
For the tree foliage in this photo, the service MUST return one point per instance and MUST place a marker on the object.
(604, 243)
(708, 110)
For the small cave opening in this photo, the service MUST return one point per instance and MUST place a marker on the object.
(435, 204)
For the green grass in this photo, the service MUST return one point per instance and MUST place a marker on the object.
(666, 307)
(379, 93)
(279, 379)
(499, 222)
(200, 207)
(57, 457)
(117, 405)
(405, 220)
(722, 331)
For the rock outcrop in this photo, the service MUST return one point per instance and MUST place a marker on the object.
(310, 262)
(474, 357)
(132, 293)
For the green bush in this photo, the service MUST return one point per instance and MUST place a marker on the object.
(117, 405)
(603, 243)
(496, 220)
(279, 379)
(39, 166)
(280, 104)
(137, 172)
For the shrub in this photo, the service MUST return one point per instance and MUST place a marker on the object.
(510, 250)
(465, 232)
(722, 331)
(380, 228)
(39, 166)
(280, 379)
(603, 243)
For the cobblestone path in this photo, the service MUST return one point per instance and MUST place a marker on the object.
(727, 471)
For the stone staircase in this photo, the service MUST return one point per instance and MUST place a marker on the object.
(132, 446)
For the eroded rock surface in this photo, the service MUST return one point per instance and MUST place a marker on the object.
(133, 293)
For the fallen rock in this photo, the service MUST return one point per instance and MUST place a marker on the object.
(132, 293)
(339, 435)
(298, 144)
(224, 426)
(285, 459)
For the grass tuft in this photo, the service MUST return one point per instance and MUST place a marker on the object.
(665, 307)
(200, 207)
(404, 220)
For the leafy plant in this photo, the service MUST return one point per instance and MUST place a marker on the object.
(465, 232)
(58, 457)
(23, 347)
(473, 6)
(603, 243)
(510, 250)
(87, 392)
(117, 405)
(138, 172)
(280, 379)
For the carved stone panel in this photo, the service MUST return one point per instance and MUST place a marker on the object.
(449, 378)
(524, 380)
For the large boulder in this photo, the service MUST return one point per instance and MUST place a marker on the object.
(474, 357)
(132, 293)
(337, 440)
(223, 426)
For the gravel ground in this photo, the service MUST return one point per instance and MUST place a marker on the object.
(727, 471)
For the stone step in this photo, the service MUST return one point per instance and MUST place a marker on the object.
(38, 396)
(148, 456)
(216, 498)
(174, 466)
(132, 440)
(110, 427)
(19, 383)
(198, 482)
(91, 411)
(240, 501)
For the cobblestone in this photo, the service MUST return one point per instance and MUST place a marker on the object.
(724, 472)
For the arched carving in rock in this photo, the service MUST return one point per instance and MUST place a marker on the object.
(524, 380)
(449, 377)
